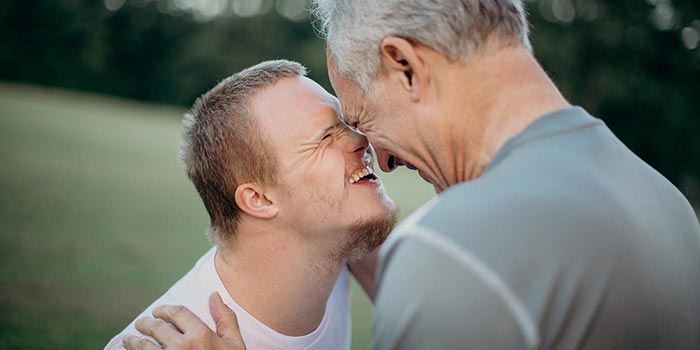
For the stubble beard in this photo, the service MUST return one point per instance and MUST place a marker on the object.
(366, 235)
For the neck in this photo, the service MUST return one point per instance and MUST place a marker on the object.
(273, 278)
(490, 99)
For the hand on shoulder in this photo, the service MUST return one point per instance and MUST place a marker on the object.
(176, 328)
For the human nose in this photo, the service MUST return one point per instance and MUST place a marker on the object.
(386, 161)
(356, 142)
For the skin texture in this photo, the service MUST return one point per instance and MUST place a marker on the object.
(445, 119)
(295, 234)
(318, 152)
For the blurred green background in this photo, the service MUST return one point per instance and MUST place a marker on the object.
(97, 218)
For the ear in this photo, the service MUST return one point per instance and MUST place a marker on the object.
(403, 62)
(251, 198)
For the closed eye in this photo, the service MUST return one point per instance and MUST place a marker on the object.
(325, 137)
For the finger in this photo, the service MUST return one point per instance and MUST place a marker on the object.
(225, 319)
(180, 316)
(132, 342)
(157, 328)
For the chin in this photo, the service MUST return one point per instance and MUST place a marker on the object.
(368, 233)
(378, 200)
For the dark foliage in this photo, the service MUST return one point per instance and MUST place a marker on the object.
(617, 61)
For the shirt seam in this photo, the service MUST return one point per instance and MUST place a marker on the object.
(516, 142)
(492, 280)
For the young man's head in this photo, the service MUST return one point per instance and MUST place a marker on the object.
(267, 147)
(393, 63)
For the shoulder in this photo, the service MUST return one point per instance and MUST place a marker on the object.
(188, 291)
(434, 293)
(515, 229)
(495, 210)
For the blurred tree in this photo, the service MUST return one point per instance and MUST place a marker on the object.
(144, 49)
(627, 63)
(633, 63)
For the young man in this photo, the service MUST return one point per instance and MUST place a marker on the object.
(292, 198)
(548, 232)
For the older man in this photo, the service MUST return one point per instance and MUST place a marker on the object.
(292, 197)
(548, 232)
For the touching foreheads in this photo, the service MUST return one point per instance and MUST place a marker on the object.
(223, 145)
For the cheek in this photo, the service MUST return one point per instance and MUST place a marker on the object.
(387, 129)
(379, 140)
(327, 171)
(378, 125)
(334, 166)
(324, 186)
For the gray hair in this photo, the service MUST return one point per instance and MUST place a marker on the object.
(456, 28)
(223, 146)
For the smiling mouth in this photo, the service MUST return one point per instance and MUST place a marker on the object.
(365, 173)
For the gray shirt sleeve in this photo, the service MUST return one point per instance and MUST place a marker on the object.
(442, 300)
(567, 241)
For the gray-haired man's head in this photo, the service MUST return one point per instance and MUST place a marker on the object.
(455, 28)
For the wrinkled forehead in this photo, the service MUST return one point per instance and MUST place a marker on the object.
(351, 97)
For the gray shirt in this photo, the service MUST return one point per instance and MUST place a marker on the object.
(567, 241)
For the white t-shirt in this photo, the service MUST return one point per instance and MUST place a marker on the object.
(193, 291)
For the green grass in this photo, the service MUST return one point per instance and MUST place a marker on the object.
(97, 218)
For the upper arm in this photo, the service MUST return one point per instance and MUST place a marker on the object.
(430, 298)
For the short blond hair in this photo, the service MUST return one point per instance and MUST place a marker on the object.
(223, 145)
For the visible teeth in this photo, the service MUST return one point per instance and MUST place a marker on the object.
(360, 173)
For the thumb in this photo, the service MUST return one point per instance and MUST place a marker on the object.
(225, 319)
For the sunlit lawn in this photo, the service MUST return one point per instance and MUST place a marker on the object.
(97, 218)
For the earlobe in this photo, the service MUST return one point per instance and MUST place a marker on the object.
(401, 60)
(251, 199)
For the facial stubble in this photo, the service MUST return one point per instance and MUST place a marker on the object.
(366, 235)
